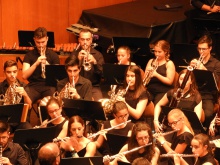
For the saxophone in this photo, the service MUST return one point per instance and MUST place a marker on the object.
(11, 96)
(149, 74)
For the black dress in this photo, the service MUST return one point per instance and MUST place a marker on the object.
(207, 158)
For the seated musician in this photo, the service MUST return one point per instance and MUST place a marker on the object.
(120, 113)
(201, 147)
(180, 142)
(136, 97)
(14, 91)
(141, 135)
(75, 86)
(78, 145)
(124, 56)
(190, 100)
(163, 71)
(55, 114)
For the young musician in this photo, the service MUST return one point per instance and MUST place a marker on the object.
(54, 110)
(162, 77)
(34, 66)
(75, 86)
(180, 142)
(190, 100)
(94, 58)
(136, 96)
(141, 135)
(124, 56)
(78, 145)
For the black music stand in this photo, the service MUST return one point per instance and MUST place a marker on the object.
(25, 39)
(96, 160)
(114, 74)
(116, 142)
(11, 113)
(205, 80)
(88, 110)
(54, 73)
(191, 115)
(32, 139)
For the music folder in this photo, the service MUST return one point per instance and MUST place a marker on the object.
(96, 160)
(191, 115)
(114, 74)
(54, 73)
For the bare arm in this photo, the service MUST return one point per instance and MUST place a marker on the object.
(90, 149)
(100, 139)
(198, 110)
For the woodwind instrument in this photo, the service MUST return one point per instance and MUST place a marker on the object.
(180, 155)
(108, 129)
(149, 74)
(43, 75)
(164, 133)
(60, 139)
(179, 93)
(44, 124)
(132, 150)
(1, 153)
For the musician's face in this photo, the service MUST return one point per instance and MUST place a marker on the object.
(11, 73)
(130, 77)
(77, 129)
(54, 110)
(198, 148)
(123, 56)
(204, 49)
(158, 52)
(175, 123)
(122, 115)
(85, 40)
(188, 83)
(4, 138)
(142, 137)
(73, 72)
(41, 43)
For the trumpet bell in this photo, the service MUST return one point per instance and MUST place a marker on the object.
(87, 66)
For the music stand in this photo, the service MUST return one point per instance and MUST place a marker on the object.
(191, 115)
(96, 160)
(88, 110)
(25, 39)
(116, 142)
(114, 74)
(205, 80)
(11, 113)
(54, 73)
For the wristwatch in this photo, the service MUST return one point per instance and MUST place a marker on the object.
(162, 143)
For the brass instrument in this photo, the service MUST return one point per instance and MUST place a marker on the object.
(199, 61)
(43, 75)
(132, 150)
(11, 96)
(149, 74)
(65, 93)
(180, 155)
(86, 65)
(107, 129)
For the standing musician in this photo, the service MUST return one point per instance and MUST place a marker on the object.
(211, 64)
(75, 86)
(92, 62)
(190, 98)
(141, 135)
(160, 71)
(136, 96)
(55, 114)
(180, 142)
(34, 66)
(14, 91)
(78, 145)
(124, 56)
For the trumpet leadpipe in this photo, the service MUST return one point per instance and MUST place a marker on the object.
(180, 155)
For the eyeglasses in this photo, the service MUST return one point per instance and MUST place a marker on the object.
(122, 116)
(143, 138)
(202, 49)
(174, 123)
(4, 137)
(194, 146)
(51, 112)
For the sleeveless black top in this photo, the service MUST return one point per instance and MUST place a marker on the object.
(59, 127)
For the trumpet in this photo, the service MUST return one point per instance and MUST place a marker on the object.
(43, 75)
(44, 124)
(149, 74)
(87, 65)
(164, 133)
(180, 155)
(199, 61)
(108, 129)
(132, 150)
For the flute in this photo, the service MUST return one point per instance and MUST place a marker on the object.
(44, 124)
(107, 129)
(165, 133)
(60, 139)
(132, 150)
(180, 155)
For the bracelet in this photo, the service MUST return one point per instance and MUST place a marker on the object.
(162, 143)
